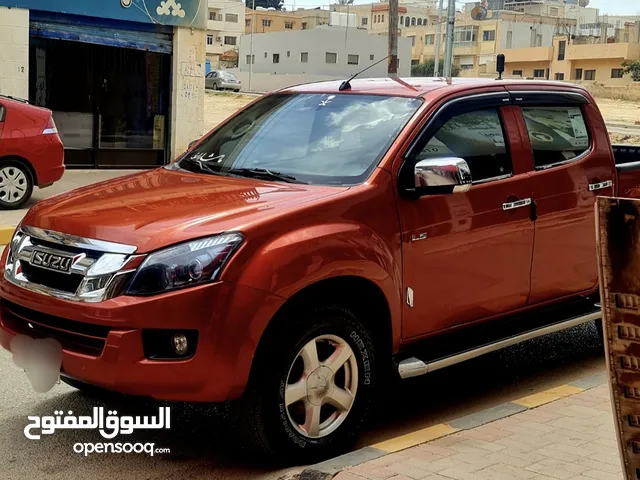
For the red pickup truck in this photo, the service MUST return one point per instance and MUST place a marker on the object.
(320, 242)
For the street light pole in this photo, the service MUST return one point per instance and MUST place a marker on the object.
(448, 50)
(392, 68)
(436, 62)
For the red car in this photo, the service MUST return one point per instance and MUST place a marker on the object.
(31, 152)
(320, 242)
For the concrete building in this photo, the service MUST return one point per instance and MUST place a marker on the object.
(225, 26)
(266, 21)
(374, 17)
(326, 50)
(125, 83)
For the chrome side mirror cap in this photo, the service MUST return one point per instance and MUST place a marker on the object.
(442, 175)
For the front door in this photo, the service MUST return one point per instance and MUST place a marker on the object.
(467, 256)
(571, 165)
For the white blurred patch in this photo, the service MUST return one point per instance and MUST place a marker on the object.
(41, 359)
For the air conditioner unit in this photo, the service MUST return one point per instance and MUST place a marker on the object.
(218, 39)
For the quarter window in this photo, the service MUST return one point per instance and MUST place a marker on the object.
(478, 138)
(557, 134)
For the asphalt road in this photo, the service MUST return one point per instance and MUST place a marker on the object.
(199, 438)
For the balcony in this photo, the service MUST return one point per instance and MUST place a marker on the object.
(531, 54)
(466, 48)
(601, 51)
(217, 48)
(215, 25)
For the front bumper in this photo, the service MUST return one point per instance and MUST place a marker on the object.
(229, 319)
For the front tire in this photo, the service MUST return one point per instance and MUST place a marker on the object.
(16, 185)
(312, 386)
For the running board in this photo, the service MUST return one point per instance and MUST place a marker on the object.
(414, 367)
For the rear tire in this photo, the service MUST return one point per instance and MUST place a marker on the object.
(16, 185)
(299, 408)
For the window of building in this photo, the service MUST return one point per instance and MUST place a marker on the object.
(467, 34)
(230, 40)
(489, 36)
(212, 15)
(372, 57)
(562, 47)
(247, 22)
(231, 17)
(429, 39)
(382, 18)
(420, 22)
(401, 19)
(539, 40)
(553, 11)
(288, 25)
(266, 23)
(477, 137)
(517, 73)
(265, 54)
(209, 39)
(578, 74)
(413, 40)
(424, 22)
(413, 21)
(365, 21)
(353, 59)
(538, 73)
(560, 76)
(251, 59)
(304, 25)
(276, 58)
(406, 21)
(510, 39)
(304, 57)
(589, 74)
(330, 57)
(617, 73)
(288, 53)
(557, 134)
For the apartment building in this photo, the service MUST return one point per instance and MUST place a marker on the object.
(374, 17)
(262, 20)
(225, 26)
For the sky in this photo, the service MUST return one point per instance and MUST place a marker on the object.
(611, 7)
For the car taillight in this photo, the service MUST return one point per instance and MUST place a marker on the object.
(50, 127)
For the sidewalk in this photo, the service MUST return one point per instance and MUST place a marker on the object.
(571, 438)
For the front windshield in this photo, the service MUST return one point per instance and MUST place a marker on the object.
(310, 138)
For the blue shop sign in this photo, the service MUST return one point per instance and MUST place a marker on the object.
(182, 13)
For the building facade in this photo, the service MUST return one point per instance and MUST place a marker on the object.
(225, 26)
(124, 80)
(326, 50)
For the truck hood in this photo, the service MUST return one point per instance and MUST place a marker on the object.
(161, 207)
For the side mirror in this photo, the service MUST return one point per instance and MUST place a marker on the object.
(192, 143)
(442, 175)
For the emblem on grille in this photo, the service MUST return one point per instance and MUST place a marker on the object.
(51, 261)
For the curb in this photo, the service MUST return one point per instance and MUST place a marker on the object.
(6, 232)
(330, 468)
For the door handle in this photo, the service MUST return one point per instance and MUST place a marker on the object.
(517, 204)
(600, 186)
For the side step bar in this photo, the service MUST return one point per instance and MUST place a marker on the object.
(414, 367)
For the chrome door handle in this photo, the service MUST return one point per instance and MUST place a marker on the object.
(600, 186)
(517, 204)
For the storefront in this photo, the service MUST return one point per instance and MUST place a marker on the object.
(107, 71)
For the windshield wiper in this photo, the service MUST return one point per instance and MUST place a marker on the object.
(264, 173)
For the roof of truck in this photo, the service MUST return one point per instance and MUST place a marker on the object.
(419, 86)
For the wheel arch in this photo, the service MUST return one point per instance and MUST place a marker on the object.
(23, 161)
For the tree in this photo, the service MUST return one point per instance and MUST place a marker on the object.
(632, 67)
(277, 4)
(425, 69)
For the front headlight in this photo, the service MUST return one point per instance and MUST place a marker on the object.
(184, 265)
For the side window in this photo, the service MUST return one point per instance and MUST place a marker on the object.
(557, 134)
(478, 138)
(2, 113)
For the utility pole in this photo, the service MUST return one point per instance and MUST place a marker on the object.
(253, 27)
(392, 69)
(436, 64)
(448, 49)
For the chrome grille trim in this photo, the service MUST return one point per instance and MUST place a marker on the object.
(96, 260)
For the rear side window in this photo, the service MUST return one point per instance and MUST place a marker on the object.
(557, 134)
(3, 112)
(478, 138)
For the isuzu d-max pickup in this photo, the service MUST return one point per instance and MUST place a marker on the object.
(321, 242)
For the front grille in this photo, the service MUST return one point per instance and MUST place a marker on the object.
(66, 282)
(74, 336)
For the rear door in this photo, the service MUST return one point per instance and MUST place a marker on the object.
(571, 164)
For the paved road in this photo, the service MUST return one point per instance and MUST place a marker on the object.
(199, 437)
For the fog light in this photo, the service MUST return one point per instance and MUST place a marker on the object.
(180, 344)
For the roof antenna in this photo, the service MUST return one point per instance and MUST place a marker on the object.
(346, 85)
